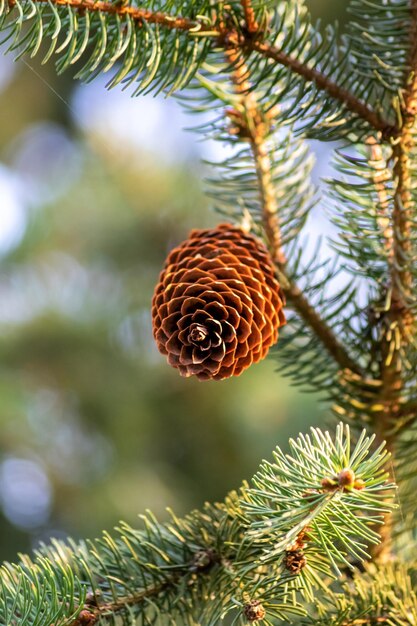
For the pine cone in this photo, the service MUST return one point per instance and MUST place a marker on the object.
(218, 305)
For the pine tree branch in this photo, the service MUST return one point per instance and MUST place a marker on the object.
(401, 279)
(359, 621)
(398, 317)
(93, 613)
(247, 40)
(255, 131)
(381, 176)
(349, 100)
(326, 335)
(376, 595)
(250, 19)
(139, 15)
(203, 565)
(399, 310)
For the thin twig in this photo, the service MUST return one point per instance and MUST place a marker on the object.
(350, 101)
(253, 128)
(222, 35)
(250, 19)
(137, 14)
(359, 621)
(92, 613)
(326, 335)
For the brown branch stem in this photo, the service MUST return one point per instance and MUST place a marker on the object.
(326, 335)
(401, 280)
(359, 621)
(139, 15)
(92, 613)
(250, 19)
(350, 101)
(381, 176)
(398, 320)
(253, 127)
(222, 35)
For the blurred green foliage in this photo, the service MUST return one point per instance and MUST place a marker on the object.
(94, 425)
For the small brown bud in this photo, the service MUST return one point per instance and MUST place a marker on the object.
(254, 611)
(203, 560)
(86, 618)
(295, 561)
(346, 477)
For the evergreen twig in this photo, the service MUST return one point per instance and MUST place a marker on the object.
(398, 316)
(222, 34)
(255, 131)
(349, 100)
(403, 148)
(180, 566)
(139, 15)
(250, 18)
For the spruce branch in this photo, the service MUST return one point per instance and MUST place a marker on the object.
(403, 154)
(208, 24)
(94, 612)
(326, 335)
(250, 18)
(139, 15)
(397, 327)
(300, 515)
(323, 82)
(381, 177)
(254, 129)
(378, 595)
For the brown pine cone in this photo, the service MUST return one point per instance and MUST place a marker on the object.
(218, 305)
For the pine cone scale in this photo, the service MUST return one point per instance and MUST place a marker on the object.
(170, 323)
(218, 305)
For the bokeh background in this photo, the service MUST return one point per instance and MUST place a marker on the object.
(95, 189)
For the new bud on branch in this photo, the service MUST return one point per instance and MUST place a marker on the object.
(218, 305)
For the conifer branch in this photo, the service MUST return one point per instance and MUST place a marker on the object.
(250, 19)
(326, 335)
(207, 562)
(349, 100)
(215, 28)
(381, 176)
(254, 128)
(93, 613)
(377, 595)
(398, 317)
(138, 14)
(401, 280)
